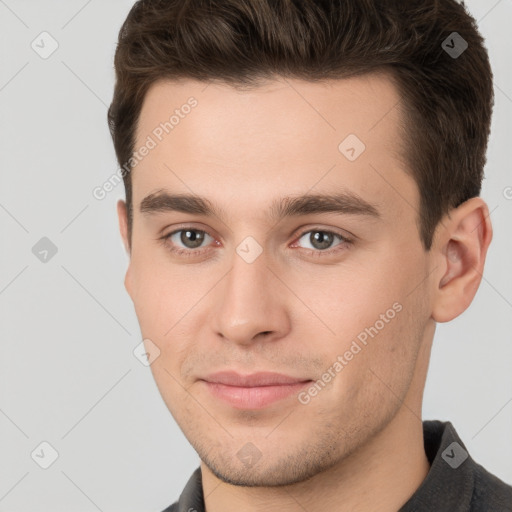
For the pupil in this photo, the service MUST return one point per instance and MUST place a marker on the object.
(192, 239)
(321, 240)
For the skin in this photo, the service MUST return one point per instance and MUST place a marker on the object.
(358, 444)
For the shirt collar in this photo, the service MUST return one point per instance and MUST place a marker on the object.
(450, 480)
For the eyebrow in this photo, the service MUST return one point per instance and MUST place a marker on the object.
(290, 206)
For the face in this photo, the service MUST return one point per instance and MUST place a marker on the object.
(289, 328)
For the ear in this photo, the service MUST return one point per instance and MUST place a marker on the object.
(122, 214)
(459, 251)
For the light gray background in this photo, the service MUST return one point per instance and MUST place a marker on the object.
(67, 372)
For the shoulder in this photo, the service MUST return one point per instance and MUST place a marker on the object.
(191, 499)
(489, 492)
(172, 508)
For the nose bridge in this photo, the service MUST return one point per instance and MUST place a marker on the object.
(248, 301)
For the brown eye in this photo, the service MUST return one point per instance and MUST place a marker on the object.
(191, 238)
(187, 238)
(321, 240)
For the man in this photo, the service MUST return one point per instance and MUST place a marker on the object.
(302, 207)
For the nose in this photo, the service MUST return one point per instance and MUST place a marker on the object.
(252, 303)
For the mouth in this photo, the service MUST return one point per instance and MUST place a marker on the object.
(254, 391)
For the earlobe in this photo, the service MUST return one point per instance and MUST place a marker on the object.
(461, 247)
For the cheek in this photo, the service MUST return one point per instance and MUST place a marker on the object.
(376, 374)
(353, 301)
(377, 326)
(166, 307)
(150, 305)
(158, 295)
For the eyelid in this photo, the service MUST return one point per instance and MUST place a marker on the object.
(345, 242)
(347, 236)
(165, 240)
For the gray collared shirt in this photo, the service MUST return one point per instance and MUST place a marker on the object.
(454, 483)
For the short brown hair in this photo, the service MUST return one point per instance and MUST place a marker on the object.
(447, 100)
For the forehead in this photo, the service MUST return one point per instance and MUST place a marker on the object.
(285, 136)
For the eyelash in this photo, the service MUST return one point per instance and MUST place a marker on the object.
(345, 243)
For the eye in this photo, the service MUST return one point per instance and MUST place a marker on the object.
(190, 242)
(187, 240)
(320, 240)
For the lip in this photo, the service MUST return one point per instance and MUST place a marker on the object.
(253, 391)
